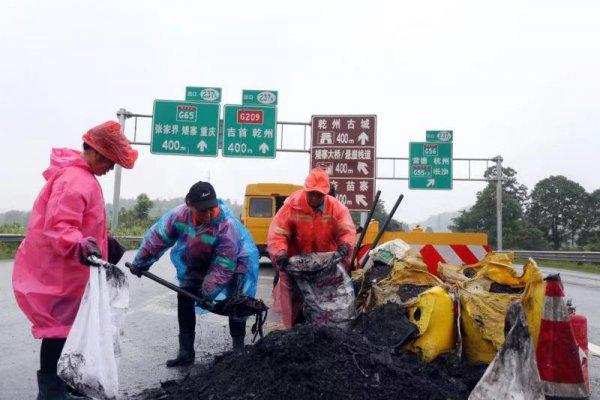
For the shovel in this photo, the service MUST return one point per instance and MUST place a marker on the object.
(239, 306)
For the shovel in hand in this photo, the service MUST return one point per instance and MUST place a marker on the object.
(235, 306)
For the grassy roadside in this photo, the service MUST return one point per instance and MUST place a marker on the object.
(569, 265)
(8, 250)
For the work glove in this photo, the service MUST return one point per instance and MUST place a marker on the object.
(115, 250)
(204, 302)
(136, 269)
(343, 250)
(282, 261)
(88, 246)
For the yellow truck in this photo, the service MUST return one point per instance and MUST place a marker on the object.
(262, 200)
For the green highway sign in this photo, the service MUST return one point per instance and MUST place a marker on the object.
(259, 97)
(439, 136)
(249, 131)
(185, 128)
(430, 165)
(203, 94)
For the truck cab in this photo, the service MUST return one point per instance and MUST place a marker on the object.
(261, 202)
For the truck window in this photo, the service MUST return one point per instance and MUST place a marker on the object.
(261, 207)
(279, 202)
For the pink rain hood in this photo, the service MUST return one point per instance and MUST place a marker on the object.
(48, 279)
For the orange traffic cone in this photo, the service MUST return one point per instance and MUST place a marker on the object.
(557, 354)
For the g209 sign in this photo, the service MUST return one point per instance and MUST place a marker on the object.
(250, 116)
(249, 131)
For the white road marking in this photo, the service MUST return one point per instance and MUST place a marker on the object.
(594, 349)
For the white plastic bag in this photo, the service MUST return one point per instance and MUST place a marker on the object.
(89, 359)
(387, 252)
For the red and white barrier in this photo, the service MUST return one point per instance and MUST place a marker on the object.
(558, 356)
(432, 254)
(455, 254)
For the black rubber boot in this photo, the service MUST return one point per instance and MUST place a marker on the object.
(51, 387)
(186, 354)
(238, 344)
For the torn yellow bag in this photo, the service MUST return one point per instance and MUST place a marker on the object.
(431, 308)
(450, 273)
(485, 299)
(433, 314)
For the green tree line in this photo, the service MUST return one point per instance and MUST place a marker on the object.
(557, 214)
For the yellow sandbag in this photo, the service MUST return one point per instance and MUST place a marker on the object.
(402, 273)
(414, 262)
(533, 299)
(483, 312)
(432, 311)
(405, 274)
(433, 314)
(450, 273)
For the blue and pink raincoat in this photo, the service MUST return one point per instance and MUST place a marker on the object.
(205, 256)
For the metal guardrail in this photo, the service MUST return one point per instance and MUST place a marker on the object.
(574, 256)
(11, 238)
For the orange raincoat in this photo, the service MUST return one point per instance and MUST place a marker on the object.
(298, 229)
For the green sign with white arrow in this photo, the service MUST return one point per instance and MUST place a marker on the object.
(185, 128)
(249, 131)
(430, 165)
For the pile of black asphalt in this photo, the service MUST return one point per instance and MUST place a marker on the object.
(319, 362)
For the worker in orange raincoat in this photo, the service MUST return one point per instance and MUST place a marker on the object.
(309, 221)
(67, 225)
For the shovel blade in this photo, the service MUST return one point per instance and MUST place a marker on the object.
(239, 306)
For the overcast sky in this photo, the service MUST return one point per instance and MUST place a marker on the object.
(515, 78)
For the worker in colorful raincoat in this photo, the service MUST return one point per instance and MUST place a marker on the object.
(213, 254)
(67, 224)
(309, 221)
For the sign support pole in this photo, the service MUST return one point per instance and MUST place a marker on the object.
(121, 114)
(498, 160)
(363, 217)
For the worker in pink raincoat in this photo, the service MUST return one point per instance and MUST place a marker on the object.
(309, 221)
(67, 225)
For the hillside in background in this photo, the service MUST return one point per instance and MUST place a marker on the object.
(13, 216)
(159, 208)
(438, 222)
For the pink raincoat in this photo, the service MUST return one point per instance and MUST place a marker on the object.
(48, 279)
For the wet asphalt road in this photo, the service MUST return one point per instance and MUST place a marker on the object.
(150, 335)
(151, 331)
